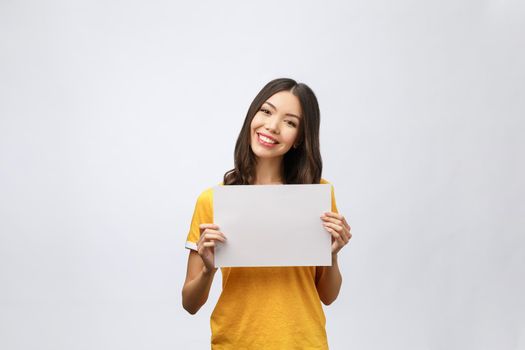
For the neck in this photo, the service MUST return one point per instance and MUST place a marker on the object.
(268, 171)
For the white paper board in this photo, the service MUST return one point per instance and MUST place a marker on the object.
(272, 225)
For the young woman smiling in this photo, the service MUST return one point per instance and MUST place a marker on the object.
(268, 307)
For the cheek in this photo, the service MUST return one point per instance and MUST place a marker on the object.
(291, 136)
(256, 123)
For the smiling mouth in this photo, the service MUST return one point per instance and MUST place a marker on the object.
(266, 140)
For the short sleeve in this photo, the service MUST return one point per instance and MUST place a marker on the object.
(203, 214)
(334, 205)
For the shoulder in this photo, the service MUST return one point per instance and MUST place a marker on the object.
(324, 181)
(205, 197)
(334, 205)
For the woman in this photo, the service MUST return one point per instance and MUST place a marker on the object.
(268, 307)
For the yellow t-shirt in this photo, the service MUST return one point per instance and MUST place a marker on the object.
(263, 307)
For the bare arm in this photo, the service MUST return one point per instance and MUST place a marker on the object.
(328, 279)
(201, 269)
(197, 284)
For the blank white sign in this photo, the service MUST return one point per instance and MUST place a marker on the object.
(272, 225)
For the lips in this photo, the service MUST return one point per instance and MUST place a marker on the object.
(266, 140)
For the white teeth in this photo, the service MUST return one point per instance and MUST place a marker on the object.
(266, 139)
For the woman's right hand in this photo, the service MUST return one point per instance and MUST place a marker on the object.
(210, 235)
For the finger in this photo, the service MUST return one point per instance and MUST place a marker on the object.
(336, 236)
(333, 215)
(343, 235)
(203, 227)
(210, 231)
(336, 227)
(346, 223)
(346, 233)
(337, 217)
(205, 245)
(201, 248)
(213, 237)
(334, 220)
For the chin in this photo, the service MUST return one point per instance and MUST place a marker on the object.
(266, 154)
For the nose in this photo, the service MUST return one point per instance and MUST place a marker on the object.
(272, 124)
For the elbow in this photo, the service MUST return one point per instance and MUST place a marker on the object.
(328, 297)
(190, 306)
(327, 301)
(191, 311)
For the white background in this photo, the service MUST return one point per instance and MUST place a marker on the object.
(115, 115)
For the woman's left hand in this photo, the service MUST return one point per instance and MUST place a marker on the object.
(337, 226)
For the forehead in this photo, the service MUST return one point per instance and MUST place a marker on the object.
(286, 102)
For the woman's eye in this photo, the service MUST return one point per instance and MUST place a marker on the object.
(265, 111)
(291, 123)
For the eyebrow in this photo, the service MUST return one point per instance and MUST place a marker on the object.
(288, 114)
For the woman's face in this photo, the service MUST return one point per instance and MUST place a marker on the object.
(275, 127)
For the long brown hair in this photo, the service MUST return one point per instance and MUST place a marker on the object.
(301, 165)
